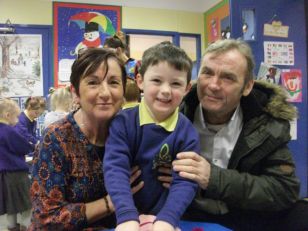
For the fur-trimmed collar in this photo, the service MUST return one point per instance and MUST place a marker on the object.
(264, 97)
(271, 98)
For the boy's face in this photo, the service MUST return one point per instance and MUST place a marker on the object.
(163, 89)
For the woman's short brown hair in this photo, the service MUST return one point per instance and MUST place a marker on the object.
(89, 61)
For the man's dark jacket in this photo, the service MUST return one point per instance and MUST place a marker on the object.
(261, 173)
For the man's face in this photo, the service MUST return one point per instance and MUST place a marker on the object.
(221, 84)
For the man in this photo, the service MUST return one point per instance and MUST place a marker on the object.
(245, 171)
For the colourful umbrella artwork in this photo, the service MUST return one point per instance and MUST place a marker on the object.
(103, 22)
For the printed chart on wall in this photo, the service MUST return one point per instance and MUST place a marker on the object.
(279, 53)
(78, 27)
(21, 65)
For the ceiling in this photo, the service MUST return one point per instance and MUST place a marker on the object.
(185, 5)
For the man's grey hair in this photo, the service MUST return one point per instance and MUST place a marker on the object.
(222, 46)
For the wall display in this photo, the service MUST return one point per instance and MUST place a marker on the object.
(214, 32)
(77, 27)
(217, 22)
(269, 73)
(248, 24)
(276, 29)
(21, 65)
(292, 82)
(293, 129)
(225, 28)
(279, 53)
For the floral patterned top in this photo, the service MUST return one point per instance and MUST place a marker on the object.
(67, 173)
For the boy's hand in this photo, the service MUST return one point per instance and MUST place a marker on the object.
(128, 225)
(162, 226)
(146, 222)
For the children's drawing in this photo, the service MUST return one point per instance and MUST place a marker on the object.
(21, 65)
(78, 27)
(269, 73)
(93, 23)
(292, 82)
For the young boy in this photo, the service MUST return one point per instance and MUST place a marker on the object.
(150, 135)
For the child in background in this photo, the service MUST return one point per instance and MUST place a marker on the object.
(14, 180)
(26, 126)
(42, 105)
(150, 136)
(132, 94)
(60, 104)
(116, 43)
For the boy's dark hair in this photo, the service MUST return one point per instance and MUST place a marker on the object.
(166, 52)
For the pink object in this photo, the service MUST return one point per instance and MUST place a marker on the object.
(146, 223)
(198, 229)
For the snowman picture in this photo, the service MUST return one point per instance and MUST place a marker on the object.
(91, 38)
(93, 24)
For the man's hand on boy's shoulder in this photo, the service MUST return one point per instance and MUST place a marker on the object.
(194, 167)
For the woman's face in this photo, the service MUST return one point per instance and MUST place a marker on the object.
(101, 93)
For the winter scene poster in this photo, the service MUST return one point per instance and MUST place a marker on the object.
(21, 65)
(78, 27)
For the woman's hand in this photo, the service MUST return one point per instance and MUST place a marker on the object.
(194, 167)
(166, 175)
(136, 172)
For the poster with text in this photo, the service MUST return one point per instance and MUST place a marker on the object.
(279, 53)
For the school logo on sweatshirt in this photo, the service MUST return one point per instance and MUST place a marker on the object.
(163, 157)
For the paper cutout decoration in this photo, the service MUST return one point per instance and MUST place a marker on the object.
(276, 29)
(292, 82)
(269, 73)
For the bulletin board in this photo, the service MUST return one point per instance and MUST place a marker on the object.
(26, 56)
(292, 15)
(217, 20)
(77, 27)
(28, 60)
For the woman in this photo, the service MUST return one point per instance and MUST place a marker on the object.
(68, 190)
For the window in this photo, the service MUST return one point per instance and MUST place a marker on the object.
(140, 40)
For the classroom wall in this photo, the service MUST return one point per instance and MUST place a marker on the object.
(218, 12)
(39, 12)
(291, 13)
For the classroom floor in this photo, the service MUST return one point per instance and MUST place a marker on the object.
(23, 219)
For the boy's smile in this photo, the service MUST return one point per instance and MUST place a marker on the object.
(164, 88)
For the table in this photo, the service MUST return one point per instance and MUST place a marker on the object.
(199, 226)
